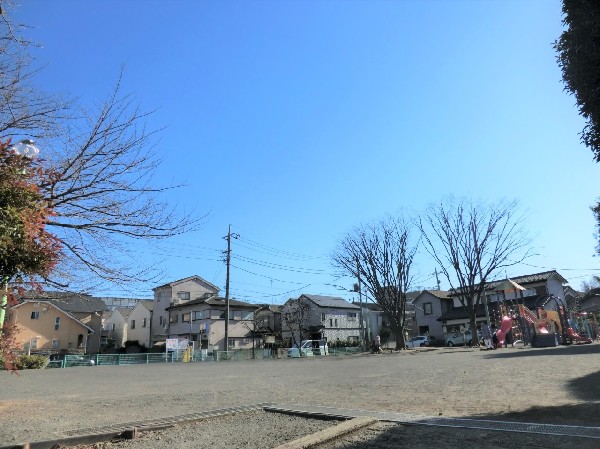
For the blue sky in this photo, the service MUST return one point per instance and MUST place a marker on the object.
(295, 121)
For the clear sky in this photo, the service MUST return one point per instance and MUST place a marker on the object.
(295, 121)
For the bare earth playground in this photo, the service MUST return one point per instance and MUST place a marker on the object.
(559, 385)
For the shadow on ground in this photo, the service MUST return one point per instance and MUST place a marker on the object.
(383, 436)
(537, 352)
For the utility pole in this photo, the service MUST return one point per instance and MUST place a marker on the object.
(228, 262)
(360, 314)
(437, 279)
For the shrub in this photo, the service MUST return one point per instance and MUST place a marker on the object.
(31, 362)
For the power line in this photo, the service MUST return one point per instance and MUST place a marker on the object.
(263, 263)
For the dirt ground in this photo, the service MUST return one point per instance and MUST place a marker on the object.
(546, 385)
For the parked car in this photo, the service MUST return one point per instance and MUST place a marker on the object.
(458, 339)
(309, 348)
(418, 341)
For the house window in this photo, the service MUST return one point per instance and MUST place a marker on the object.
(185, 296)
(231, 344)
(113, 327)
(185, 317)
(330, 322)
(35, 315)
(173, 318)
(55, 344)
(427, 308)
(248, 315)
(144, 322)
(160, 320)
(323, 317)
(33, 344)
(132, 324)
(336, 325)
(351, 316)
(57, 323)
(201, 314)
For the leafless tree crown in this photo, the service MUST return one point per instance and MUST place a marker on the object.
(381, 255)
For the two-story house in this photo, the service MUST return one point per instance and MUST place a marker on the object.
(83, 307)
(544, 289)
(429, 306)
(317, 317)
(268, 324)
(44, 327)
(130, 324)
(203, 320)
(176, 293)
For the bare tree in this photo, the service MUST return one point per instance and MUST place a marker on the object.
(24, 109)
(294, 317)
(382, 255)
(471, 242)
(103, 194)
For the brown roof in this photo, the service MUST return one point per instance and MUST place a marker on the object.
(189, 278)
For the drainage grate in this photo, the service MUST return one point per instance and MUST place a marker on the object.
(163, 421)
(404, 418)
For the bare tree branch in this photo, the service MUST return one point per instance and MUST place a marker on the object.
(471, 242)
(381, 255)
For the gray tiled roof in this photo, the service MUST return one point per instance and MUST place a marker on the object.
(214, 301)
(522, 280)
(528, 278)
(70, 301)
(330, 301)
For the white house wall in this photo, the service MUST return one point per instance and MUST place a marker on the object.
(141, 333)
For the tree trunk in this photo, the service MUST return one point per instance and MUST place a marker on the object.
(400, 344)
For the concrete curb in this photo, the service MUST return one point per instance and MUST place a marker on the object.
(89, 439)
(329, 434)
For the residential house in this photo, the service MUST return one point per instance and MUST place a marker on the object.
(591, 301)
(544, 289)
(268, 323)
(130, 324)
(373, 320)
(176, 293)
(42, 326)
(139, 323)
(203, 320)
(428, 306)
(115, 326)
(318, 317)
(129, 303)
(83, 307)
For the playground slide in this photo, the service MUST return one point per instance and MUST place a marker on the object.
(542, 327)
(576, 337)
(505, 326)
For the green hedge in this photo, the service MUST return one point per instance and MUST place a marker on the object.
(31, 362)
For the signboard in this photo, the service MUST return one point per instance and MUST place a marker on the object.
(173, 344)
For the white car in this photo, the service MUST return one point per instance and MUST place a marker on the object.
(309, 348)
(418, 341)
(457, 339)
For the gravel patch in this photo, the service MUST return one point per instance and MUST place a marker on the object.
(250, 430)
